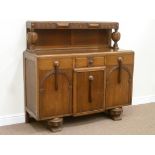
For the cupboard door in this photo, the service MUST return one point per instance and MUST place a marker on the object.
(119, 85)
(89, 90)
(55, 93)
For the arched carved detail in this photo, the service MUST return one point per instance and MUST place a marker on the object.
(52, 73)
(59, 72)
(129, 80)
(117, 68)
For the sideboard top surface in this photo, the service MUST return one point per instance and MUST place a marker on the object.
(71, 25)
(76, 52)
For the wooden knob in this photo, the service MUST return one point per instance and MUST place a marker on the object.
(120, 59)
(32, 37)
(90, 61)
(56, 63)
(91, 78)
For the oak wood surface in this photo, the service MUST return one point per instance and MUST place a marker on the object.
(70, 25)
(81, 89)
(89, 61)
(118, 93)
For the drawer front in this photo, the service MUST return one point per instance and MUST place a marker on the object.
(89, 61)
(113, 59)
(49, 63)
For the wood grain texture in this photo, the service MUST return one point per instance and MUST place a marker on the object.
(55, 102)
(81, 89)
(118, 94)
(47, 63)
(126, 58)
(84, 61)
(70, 25)
(61, 34)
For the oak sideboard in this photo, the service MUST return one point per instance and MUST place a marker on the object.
(75, 69)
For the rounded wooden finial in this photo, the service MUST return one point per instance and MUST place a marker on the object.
(32, 37)
(115, 37)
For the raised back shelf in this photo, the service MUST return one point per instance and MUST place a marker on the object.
(42, 35)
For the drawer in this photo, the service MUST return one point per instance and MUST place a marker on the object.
(113, 59)
(48, 63)
(90, 61)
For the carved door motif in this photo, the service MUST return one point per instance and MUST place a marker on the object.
(89, 90)
(118, 85)
(55, 92)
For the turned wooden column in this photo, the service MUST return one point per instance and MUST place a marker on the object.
(115, 37)
(55, 124)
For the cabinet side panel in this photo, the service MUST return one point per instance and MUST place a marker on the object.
(30, 87)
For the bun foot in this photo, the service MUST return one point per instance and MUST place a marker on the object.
(55, 124)
(116, 113)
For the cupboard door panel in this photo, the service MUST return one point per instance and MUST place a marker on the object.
(89, 90)
(55, 102)
(118, 91)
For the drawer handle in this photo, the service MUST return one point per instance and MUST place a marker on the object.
(91, 78)
(90, 61)
(120, 60)
(56, 67)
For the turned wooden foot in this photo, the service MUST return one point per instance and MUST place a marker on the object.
(116, 113)
(55, 124)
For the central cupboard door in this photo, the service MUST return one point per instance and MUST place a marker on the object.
(89, 90)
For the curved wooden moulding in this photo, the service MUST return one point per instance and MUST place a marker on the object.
(117, 68)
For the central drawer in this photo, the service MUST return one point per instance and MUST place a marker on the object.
(89, 61)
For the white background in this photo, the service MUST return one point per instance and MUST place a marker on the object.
(137, 27)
